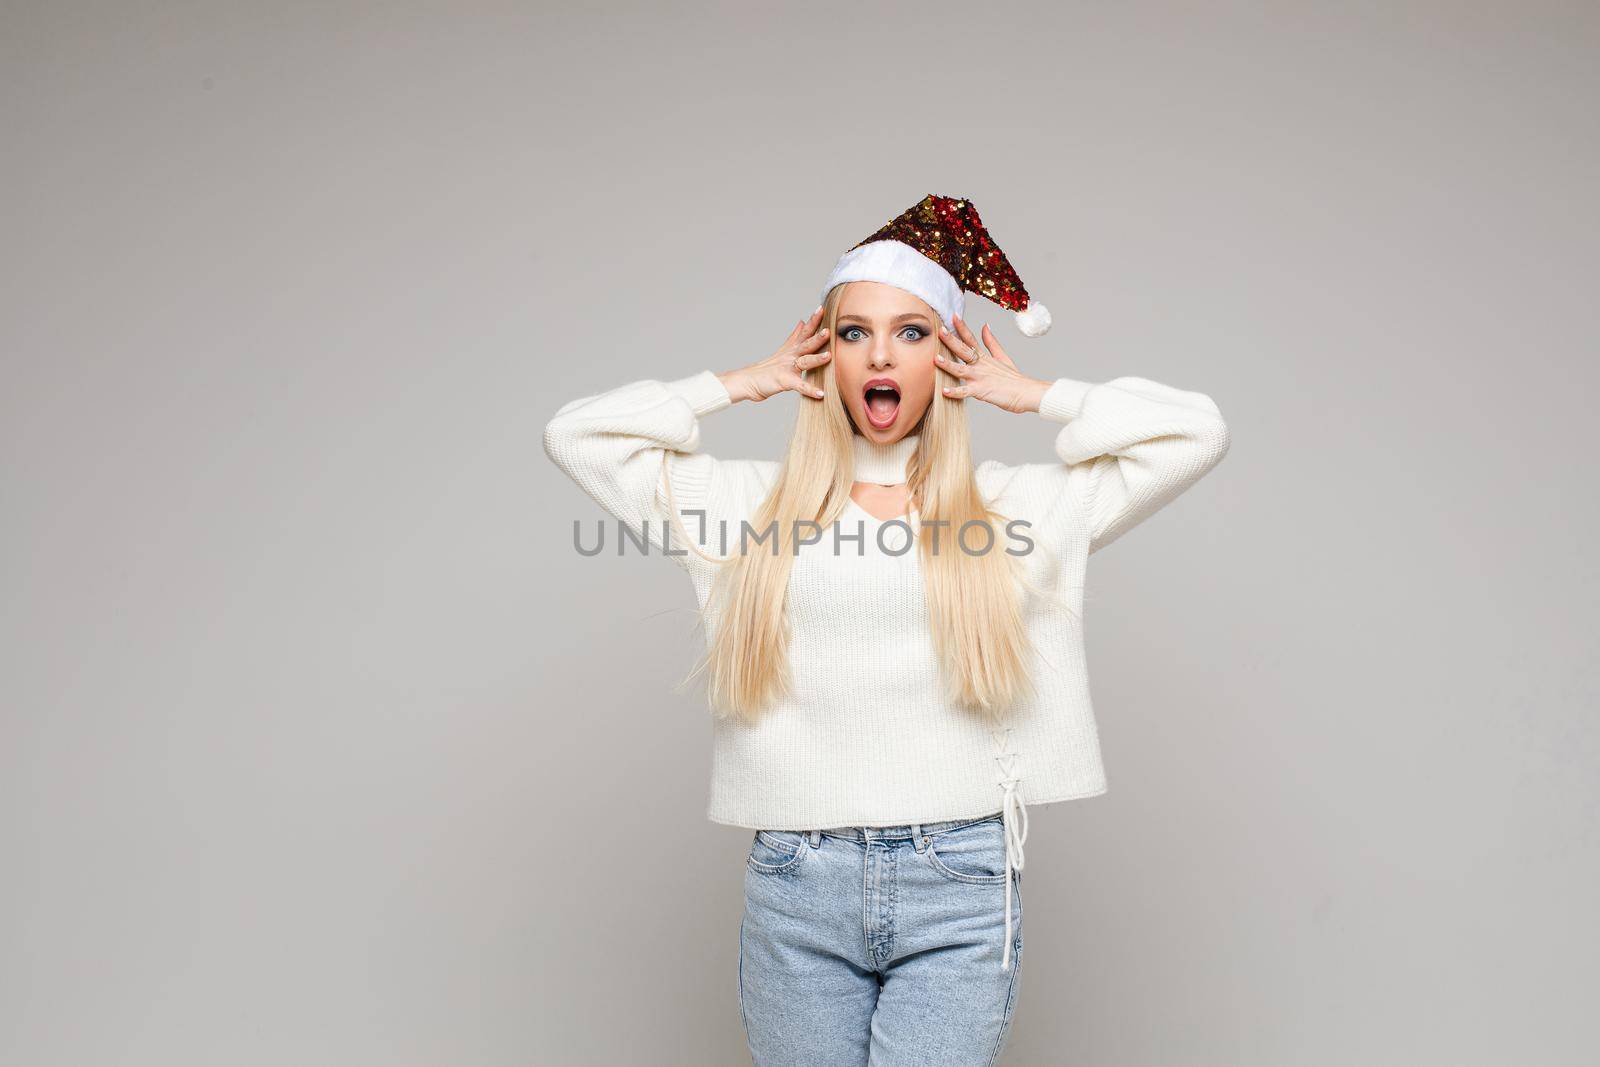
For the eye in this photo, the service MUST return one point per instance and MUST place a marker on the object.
(844, 334)
(920, 332)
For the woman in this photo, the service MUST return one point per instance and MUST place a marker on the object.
(894, 644)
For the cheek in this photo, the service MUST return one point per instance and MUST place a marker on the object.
(919, 385)
(920, 375)
(848, 374)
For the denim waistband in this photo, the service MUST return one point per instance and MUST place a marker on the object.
(1013, 822)
(906, 832)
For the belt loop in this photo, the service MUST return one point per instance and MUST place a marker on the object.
(816, 838)
(917, 839)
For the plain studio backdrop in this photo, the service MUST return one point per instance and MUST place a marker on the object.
(322, 745)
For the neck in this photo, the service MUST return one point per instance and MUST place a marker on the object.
(883, 464)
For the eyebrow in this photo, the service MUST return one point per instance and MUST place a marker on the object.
(897, 318)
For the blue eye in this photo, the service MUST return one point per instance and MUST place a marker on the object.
(846, 331)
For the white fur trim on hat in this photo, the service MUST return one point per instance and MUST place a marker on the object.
(898, 264)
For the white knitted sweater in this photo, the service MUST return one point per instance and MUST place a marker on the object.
(866, 739)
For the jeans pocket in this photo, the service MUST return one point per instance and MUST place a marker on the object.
(776, 851)
(974, 854)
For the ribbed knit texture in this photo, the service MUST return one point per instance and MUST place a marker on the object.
(865, 738)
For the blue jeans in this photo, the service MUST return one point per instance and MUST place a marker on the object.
(878, 946)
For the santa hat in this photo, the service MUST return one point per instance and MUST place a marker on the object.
(939, 250)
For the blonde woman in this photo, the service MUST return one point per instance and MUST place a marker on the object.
(894, 650)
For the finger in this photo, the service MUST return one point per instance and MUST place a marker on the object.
(800, 385)
(813, 359)
(964, 332)
(993, 344)
(810, 343)
(954, 366)
(806, 325)
(969, 343)
(955, 392)
(963, 352)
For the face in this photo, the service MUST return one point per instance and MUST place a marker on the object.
(883, 358)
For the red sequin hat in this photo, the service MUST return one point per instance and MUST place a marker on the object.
(939, 250)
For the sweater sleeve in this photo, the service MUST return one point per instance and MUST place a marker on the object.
(1129, 446)
(615, 446)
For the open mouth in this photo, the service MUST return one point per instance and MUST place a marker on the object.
(883, 402)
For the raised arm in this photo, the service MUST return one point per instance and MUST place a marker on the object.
(613, 445)
(620, 445)
(1129, 446)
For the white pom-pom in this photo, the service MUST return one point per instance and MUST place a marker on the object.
(1034, 320)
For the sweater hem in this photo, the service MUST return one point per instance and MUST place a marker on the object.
(940, 816)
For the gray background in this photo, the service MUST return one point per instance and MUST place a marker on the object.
(321, 746)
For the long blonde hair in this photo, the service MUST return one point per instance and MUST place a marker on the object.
(975, 601)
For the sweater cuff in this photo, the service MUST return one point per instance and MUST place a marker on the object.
(1064, 400)
(704, 392)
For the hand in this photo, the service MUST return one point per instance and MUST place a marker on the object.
(989, 376)
(804, 349)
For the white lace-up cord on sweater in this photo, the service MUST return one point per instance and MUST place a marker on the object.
(1013, 821)
(865, 736)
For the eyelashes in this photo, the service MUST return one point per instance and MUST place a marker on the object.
(921, 334)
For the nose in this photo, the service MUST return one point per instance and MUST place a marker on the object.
(881, 355)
